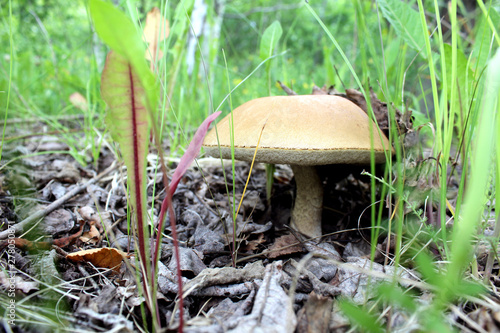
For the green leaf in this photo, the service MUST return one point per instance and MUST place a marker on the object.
(394, 295)
(434, 321)
(476, 193)
(465, 76)
(361, 317)
(405, 20)
(469, 288)
(127, 120)
(482, 44)
(270, 39)
(181, 18)
(392, 50)
(126, 117)
(428, 270)
(129, 88)
(120, 34)
(116, 29)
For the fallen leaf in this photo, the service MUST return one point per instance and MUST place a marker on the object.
(315, 315)
(253, 245)
(191, 262)
(272, 310)
(105, 257)
(65, 241)
(78, 101)
(92, 236)
(227, 275)
(155, 30)
(59, 221)
(285, 245)
(25, 245)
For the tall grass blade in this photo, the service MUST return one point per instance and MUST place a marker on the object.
(11, 42)
(268, 43)
(476, 192)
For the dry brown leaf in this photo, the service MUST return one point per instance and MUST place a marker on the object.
(155, 30)
(284, 245)
(92, 236)
(315, 315)
(272, 310)
(105, 257)
(78, 101)
(253, 245)
(25, 245)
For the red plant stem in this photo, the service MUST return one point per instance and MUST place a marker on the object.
(186, 159)
(179, 274)
(167, 204)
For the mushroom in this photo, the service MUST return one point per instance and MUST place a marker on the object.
(302, 131)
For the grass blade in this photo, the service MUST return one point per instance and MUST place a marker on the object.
(405, 21)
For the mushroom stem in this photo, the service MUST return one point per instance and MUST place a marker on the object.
(306, 213)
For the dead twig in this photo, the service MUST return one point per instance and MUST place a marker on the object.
(288, 91)
(18, 227)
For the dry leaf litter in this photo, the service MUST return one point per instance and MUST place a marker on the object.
(281, 283)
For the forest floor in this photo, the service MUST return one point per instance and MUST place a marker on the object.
(276, 282)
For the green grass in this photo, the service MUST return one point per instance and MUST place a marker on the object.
(445, 74)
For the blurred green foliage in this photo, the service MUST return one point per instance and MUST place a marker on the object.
(51, 54)
(56, 53)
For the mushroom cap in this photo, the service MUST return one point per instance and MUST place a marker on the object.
(301, 130)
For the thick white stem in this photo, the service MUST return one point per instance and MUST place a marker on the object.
(306, 213)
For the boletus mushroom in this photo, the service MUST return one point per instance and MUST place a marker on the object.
(303, 131)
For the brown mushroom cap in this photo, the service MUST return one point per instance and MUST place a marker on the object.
(300, 130)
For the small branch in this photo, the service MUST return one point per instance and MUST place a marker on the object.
(18, 227)
(288, 91)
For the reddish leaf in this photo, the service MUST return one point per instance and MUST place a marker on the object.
(192, 151)
(186, 160)
(128, 121)
(188, 157)
(65, 241)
